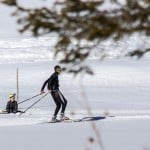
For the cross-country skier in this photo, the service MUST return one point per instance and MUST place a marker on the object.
(53, 87)
(12, 106)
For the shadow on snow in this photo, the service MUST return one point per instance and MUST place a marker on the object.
(94, 118)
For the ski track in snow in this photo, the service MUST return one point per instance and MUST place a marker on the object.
(33, 118)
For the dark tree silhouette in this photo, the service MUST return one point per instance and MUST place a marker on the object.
(81, 25)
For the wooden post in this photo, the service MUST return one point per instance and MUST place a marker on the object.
(17, 85)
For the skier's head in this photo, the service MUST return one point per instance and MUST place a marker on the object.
(12, 97)
(58, 69)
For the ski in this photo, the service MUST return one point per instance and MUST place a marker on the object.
(3, 112)
(72, 120)
(46, 122)
(63, 121)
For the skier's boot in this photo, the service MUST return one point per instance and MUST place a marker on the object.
(54, 119)
(63, 117)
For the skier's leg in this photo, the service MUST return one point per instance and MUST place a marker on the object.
(64, 102)
(57, 102)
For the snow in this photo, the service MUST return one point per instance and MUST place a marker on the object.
(118, 95)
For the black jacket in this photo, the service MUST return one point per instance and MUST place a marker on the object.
(52, 83)
(12, 107)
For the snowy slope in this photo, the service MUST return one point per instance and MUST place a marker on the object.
(120, 88)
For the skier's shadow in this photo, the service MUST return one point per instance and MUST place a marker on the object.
(95, 118)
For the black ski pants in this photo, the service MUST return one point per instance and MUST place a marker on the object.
(59, 100)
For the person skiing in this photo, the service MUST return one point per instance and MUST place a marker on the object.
(12, 106)
(53, 87)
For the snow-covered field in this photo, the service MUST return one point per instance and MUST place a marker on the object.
(119, 88)
(118, 94)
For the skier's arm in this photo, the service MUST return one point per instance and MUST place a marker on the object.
(16, 107)
(7, 107)
(49, 80)
(42, 89)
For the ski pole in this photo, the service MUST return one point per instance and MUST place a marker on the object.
(35, 102)
(29, 99)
